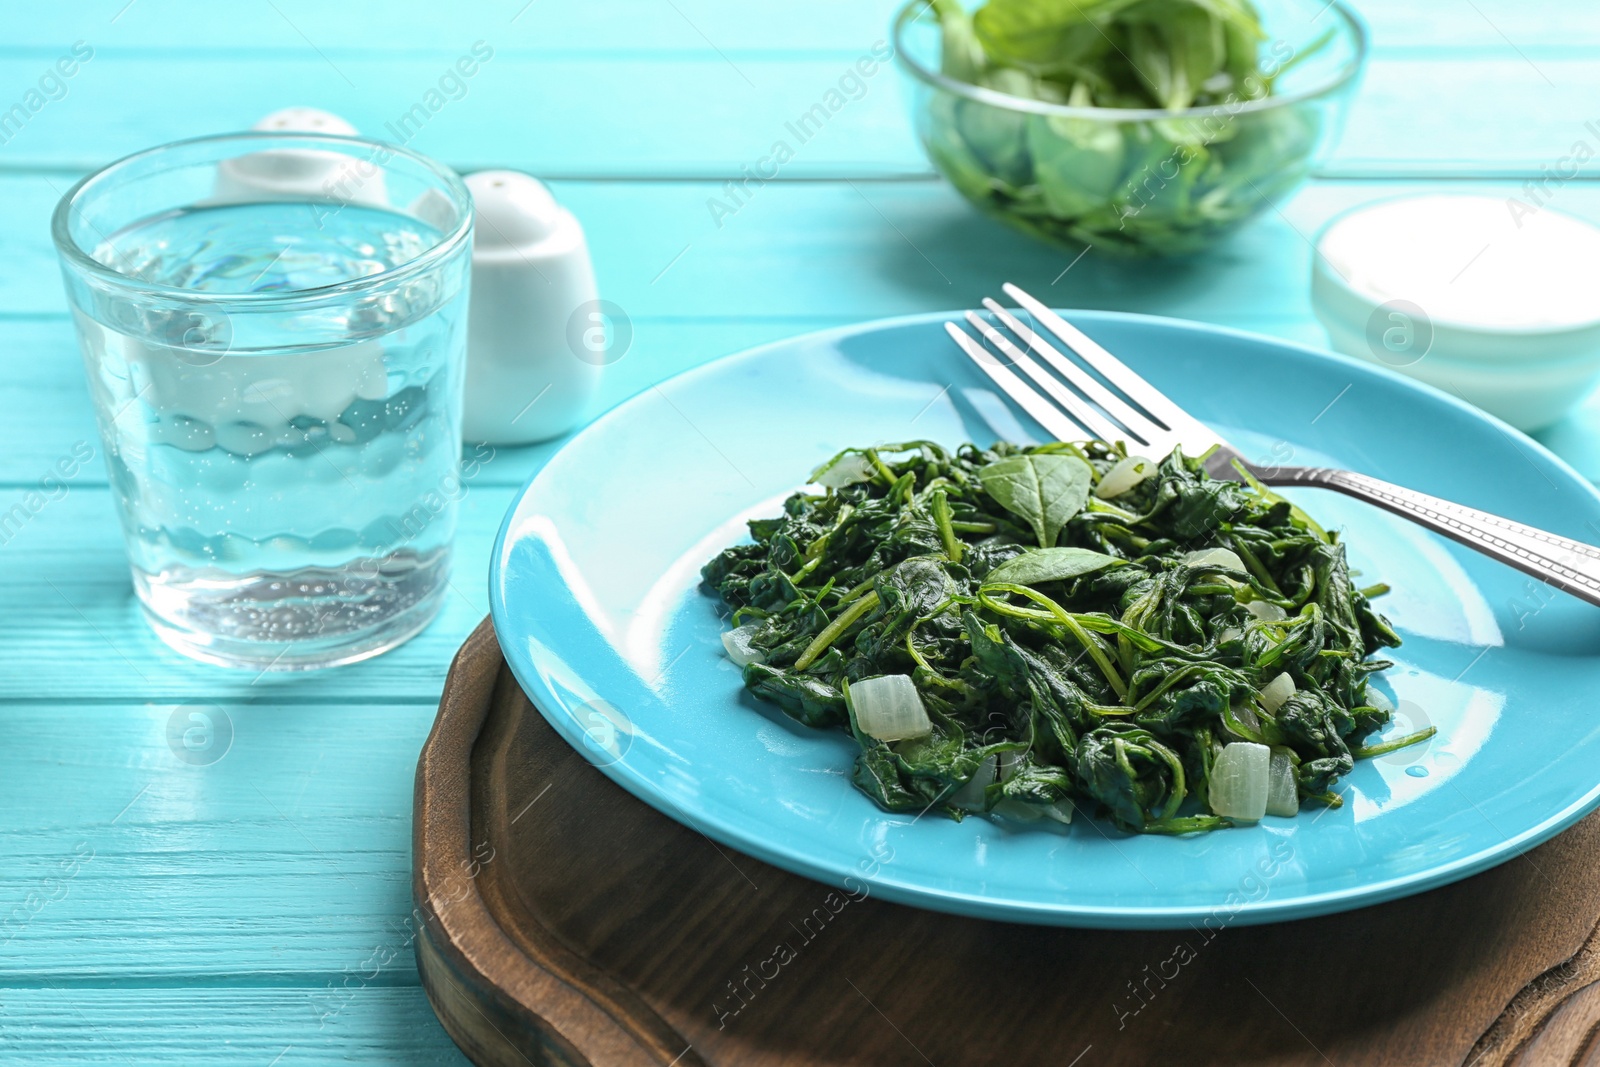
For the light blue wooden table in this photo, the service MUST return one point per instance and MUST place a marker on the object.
(253, 910)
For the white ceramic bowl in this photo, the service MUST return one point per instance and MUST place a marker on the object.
(1494, 300)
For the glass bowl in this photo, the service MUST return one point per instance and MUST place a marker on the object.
(1139, 182)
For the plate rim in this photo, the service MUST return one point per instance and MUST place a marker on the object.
(958, 902)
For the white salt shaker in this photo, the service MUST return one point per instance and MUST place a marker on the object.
(537, 338)
(299, 173)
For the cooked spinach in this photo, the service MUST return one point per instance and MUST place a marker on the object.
(1051, 565)
(1165, 185)
(1067, 649)
(1046, 490)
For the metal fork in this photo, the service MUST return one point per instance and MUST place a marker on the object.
(1095, 411)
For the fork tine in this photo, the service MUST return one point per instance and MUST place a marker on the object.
(1097, 424)
(1191, 432)
(1014, 387)
(1147, 431)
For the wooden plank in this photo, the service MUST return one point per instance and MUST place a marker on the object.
(169, 903)
(549, 27)
(221, 1025)
(644, 115)
(44, 405)
(557, 26)
(709, 114)
(860, 250)
(842, 251)
(84, 637)
(276, 834)
(284, 863)
(1496, 26)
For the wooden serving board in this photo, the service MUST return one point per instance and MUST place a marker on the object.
(564, 922)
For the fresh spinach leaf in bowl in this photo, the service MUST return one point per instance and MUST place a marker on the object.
(1029, 630)
(1136, 126)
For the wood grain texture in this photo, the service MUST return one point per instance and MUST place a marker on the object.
(626, 116)
(1553, 1019)
(222, 1026)
(86, 639)
(218, 913)
(592, 929)
(831, 252)
(277, 859)
(682, 28)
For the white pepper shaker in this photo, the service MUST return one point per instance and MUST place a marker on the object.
(533, 358)
(299, 173)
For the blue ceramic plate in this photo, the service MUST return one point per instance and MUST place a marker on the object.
(596, 603)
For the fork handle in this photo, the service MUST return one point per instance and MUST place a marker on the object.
(1569, 565)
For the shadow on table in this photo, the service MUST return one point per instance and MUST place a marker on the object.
(957, 257)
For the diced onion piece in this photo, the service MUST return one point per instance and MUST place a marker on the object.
(1283, 795)
(1015, 809)
(1246, 716)
(1238, 783)
(1229, 633)
(1378, 700)
(970, 796)
(1265, 610)
(1126, 475)
(1275, 692)
(1060, 811)
(889, 708)
(846, 470)
(737, 644)
(1215, 557)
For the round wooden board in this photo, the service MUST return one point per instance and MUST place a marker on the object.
(564, 922)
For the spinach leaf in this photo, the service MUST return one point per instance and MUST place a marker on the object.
(1051, 565)
(1046, 490)
(1078, 163)
(962, 57)
(1174, 46)
(1046, 36)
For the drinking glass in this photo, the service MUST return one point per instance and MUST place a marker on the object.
(274, 330)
